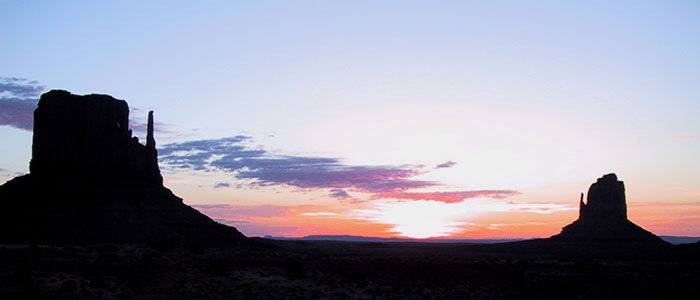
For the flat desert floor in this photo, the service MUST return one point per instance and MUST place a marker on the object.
(267, 269)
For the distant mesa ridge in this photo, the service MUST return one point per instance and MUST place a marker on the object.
(603, 218)
(91, 181)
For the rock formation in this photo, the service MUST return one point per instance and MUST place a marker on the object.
(603, 218)
(90, 135)
(90, 181)
(606, 200)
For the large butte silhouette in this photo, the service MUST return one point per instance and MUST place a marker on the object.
(603, 218)
(91, 181)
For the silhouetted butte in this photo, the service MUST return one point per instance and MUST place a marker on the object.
(603, 218)
(91, 181)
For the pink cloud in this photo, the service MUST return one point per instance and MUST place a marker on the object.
(448, 164)
(259, 220)
(260, 168)
(226, 211)
(447, 197)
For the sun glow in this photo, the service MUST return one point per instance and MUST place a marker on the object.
(427, 218)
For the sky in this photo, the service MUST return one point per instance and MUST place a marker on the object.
(464, 119)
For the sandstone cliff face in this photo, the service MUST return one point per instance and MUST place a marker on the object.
(90, 181)
(603, 218)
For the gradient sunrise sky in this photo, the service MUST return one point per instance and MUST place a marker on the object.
(477, 119)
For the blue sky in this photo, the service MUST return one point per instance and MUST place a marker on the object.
(538, 97)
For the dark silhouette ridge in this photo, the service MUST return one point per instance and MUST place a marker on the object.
(90, 181)
(604, 217)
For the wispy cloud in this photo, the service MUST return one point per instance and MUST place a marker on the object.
(259, 220)
(222, 185)
(312, 172)
(344, 196)
(18, 99)
(198, 155)
(448, 164)
(226, 211)
(231, 155)
(448, 197)
(231, 222)
(316, 214)
(666, 204)
(257, 212)
(339, 194)
(262, 168)
(19, 88)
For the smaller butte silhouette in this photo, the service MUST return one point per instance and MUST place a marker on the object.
(603, 218)
(91, 181)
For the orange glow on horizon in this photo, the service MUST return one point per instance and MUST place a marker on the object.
(480, 219)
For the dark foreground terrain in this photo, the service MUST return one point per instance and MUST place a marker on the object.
(267, 269)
